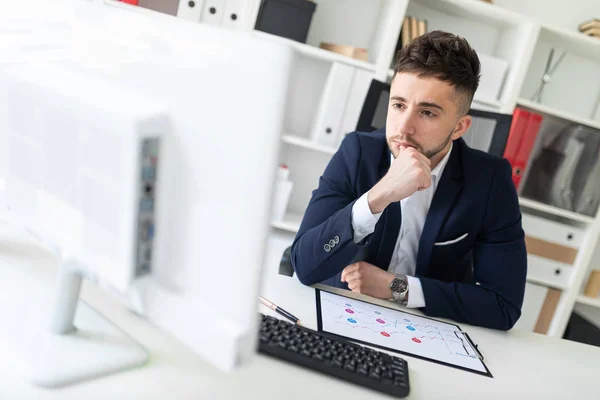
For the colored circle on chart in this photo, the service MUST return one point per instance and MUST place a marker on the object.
(377, 312)
(352, 321)
(385, 334)
(380, 321)
(348, 305)
(349, 311)
(410, 328)
(416, 340)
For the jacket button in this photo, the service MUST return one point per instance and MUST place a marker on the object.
(327, 248)
(332, 243)
(337, 239)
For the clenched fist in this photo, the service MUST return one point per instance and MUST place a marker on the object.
(409, 172)
(366, 278)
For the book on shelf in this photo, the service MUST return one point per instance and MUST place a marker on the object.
(412, 28)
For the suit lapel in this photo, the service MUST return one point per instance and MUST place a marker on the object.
(445, 195)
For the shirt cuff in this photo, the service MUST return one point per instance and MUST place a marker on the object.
(416, 298)
(363, 221)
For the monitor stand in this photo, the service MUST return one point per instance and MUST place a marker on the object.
(64, 345)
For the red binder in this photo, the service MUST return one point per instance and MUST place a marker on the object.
(515, 136)
(531, 130)
(133, 2)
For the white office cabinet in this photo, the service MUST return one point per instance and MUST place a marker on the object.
(233, 14)
(548, 271)
(190, 10)
(551, 231)
(213, 11)
(361, 80)
(328, 120)
(532, 305)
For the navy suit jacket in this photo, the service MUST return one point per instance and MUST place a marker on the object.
(479, 280)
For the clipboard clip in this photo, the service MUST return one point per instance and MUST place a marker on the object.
(473, 345)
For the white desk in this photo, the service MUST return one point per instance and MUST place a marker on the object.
(524, 365)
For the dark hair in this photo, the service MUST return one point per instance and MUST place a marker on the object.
(445, 56)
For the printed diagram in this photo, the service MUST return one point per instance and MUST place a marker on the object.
(396, 330)
(387, 326)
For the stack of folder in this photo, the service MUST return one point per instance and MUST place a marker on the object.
(521, 138)
(591, 27)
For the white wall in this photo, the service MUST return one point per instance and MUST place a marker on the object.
(563, 14)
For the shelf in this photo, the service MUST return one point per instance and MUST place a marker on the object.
(308, 144)
(594, 302)
(316, 52)
(576, 42)
(559, 212)
(476, 10)
(558, 114)
(544, 282)
(290, 222)
(493, 104)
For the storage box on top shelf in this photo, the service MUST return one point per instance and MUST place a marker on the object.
(503, 39)
(286, 18)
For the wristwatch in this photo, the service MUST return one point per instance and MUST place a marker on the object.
(399, 288)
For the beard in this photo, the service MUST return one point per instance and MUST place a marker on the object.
(427, 153)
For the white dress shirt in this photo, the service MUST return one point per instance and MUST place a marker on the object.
(414, 212)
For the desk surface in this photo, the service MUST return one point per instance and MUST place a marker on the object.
(524, 365)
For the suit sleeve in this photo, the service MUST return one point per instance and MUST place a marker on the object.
(499, 266)
(325, 245)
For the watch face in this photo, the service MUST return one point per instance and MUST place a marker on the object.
(399, 285)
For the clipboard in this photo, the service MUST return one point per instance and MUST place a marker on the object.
(398, 331)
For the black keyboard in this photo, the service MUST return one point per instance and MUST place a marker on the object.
(334, 356)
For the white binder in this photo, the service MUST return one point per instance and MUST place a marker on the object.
(213, 11)
(190, 9)
(234, 14)
(361, 80)
(327, 121)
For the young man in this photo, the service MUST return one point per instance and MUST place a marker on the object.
(410, 213)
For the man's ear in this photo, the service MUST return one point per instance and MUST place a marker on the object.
(462, 126)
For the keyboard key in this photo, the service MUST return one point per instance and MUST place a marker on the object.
(375, 375)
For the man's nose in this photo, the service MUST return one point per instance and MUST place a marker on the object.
(405, 123)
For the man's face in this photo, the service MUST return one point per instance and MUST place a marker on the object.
(424, 113)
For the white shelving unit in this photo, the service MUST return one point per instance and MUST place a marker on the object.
(522, 41)
(551, 210)
(290, 222)
(316, 52)
(558, 113)
(308, 144)
(581, 299)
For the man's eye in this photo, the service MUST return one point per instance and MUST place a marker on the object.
(397, 105)
(427, 113)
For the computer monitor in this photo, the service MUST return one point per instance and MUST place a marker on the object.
(224, 94)
(488, 131)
